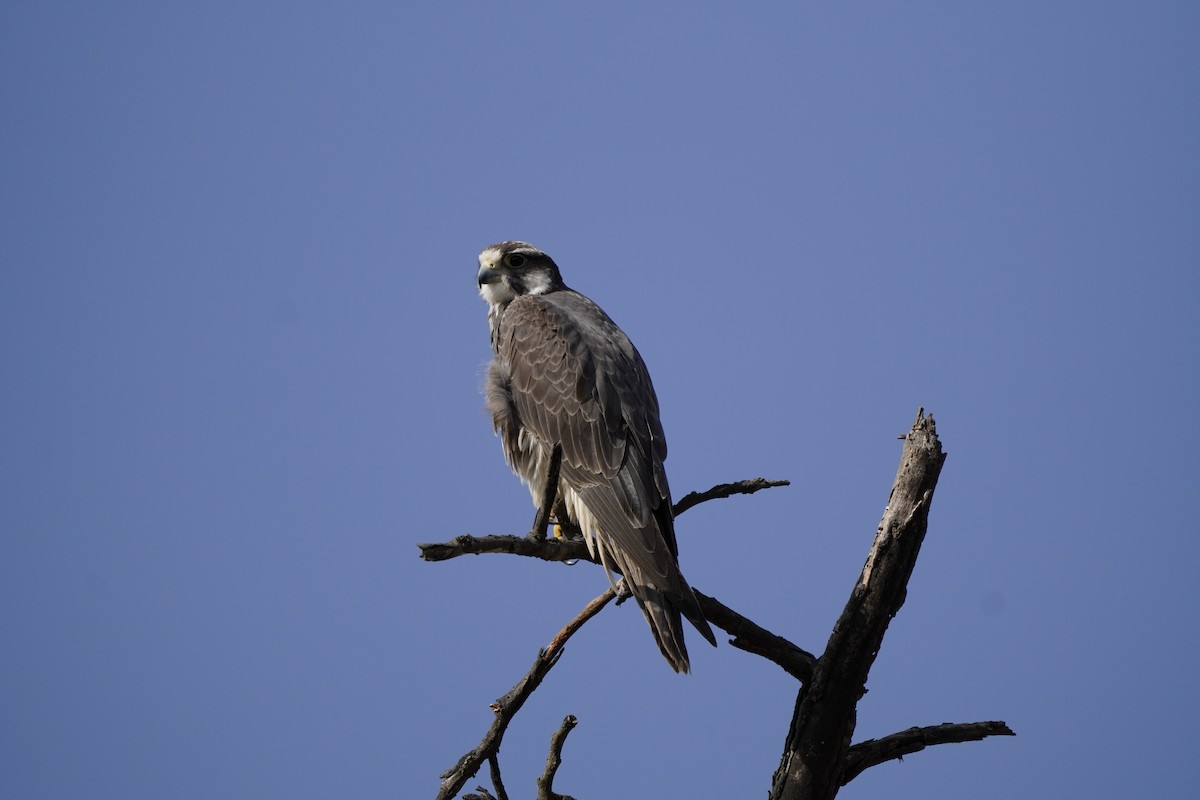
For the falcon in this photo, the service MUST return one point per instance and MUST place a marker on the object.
(565, 376)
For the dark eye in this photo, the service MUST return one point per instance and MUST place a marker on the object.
(515, 260)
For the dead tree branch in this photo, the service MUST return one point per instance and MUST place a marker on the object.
(497, 781)
(724, 490)
(507, 706)
(545, 783)
(869, 753)
(813, 765)
(545, 549)
(753, 638)
(571, 549)
(748, 635)
(818, 758)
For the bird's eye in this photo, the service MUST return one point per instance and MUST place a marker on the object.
(515, 260)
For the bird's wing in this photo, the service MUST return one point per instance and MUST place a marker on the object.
(576, 379)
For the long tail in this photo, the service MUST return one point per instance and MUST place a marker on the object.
(646, 559)
(664, 613)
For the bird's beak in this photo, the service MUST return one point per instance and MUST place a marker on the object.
(487, 275)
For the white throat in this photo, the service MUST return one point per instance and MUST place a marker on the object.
(497, 294)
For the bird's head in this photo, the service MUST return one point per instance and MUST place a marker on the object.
(510, 269)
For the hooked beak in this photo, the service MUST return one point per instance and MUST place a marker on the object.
(488, 275)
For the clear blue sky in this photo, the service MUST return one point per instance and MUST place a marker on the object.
(242, 349)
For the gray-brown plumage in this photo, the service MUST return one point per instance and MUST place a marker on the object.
(564, 373)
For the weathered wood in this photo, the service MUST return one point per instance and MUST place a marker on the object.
(748, 635)
(815, 753)
(724, 490)
(545, 549)
(871, 752)
(818, 758)
(545, 784)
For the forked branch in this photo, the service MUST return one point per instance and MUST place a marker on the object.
(507, 706)
(747, 635)
(818, 758)
(815, 755)
(545, 783)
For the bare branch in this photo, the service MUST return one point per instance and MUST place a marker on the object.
(590, 610)
(748, 635)
(872, 752)
(724, 490)
(545, 783)
(497, 781)
(508, 705)
(818, 758)
(818, 741)
(571, 549)
(483, 794)
(753, 638)
(545, 549)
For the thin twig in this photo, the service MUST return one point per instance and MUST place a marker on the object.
(545, 783)
(589, 611)
(508, 705)
(724, 490)
(869, 753)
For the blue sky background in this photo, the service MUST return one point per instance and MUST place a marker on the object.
(242, 350)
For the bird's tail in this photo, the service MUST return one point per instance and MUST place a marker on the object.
(646, 559)
(665, 612)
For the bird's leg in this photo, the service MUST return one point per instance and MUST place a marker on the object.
(623, 591)
(549, 495)
(564, 528)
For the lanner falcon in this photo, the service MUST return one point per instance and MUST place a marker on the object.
(565, 374)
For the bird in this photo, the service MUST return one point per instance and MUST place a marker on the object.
(565, 376)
